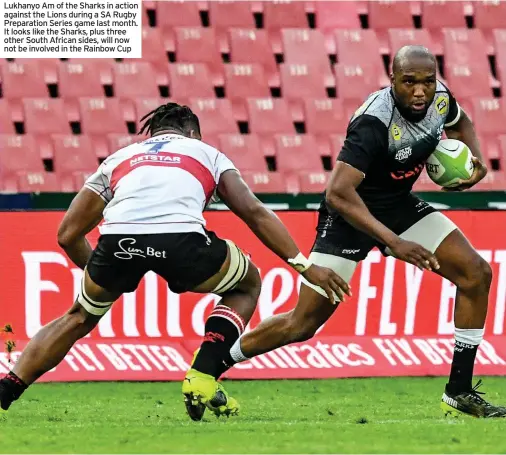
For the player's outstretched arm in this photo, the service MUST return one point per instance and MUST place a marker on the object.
(83, 215)
(464, 131)
(273, 233)
(342, 196)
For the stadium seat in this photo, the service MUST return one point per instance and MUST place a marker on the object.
(117, 141)
(489, 15)
(336, 144)
(101, 115)
(307, 47)
(200, 45)
(325, 116)
(190, 79)
(143, 106)
(286, 14)
(297, 152)
(400, 37)
(502, 150)
(500, 46)
(45, 115)
(244, 151)
(216, 115)
(269, 116)
(490, 147)
(38, 182)
(153, 49)
(355, 81)
(424, 183)
(493, 181)
(439, 14)
(135, 79)
(252, 46)
(21, 80)
(73, 153)
(361, 47)
(387, 15)
(6, 121)
(19, 153)
(170, 14)
(313, 182)
(101, 66)
(489, 115)
(468, 81)
(335, 15)
(244, 81)
(462, 46)
(264, 182)
(224, 15)
(79, 79)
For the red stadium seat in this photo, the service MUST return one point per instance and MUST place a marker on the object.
(286, 14)
(143, 106)
(307, 47)
(79, 79)
(462, 46)
(135, 79)
(200, 45)
(502, 150)
(153, 49)
(424, 183)
(387, 15)
(313, 182)
(335, 15)
(190, 79)
(6, 121)
(19, 154)
(489, 115)
(264, 182)
(467, 81)
(489, 15)
(296, 152)
(336, 143)
(38, 182)
(493, 181)
(229, 14)
(299, 81)
(244, 150)
(101, 66)
(361, 47)
(355, 81)
(23, 80)
(177, 14)
(244, 81)
(73, 153)
(252, 46)
(45, 115)
(216, 116)
(440, 13)
(325, 116)
(500, 46)
(490, 147)
(400, 37)
(269, 116)
(101, 115)
(117, 141)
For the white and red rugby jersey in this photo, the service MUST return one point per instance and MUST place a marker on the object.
(160, 185)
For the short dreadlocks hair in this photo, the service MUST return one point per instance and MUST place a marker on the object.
(171, 116)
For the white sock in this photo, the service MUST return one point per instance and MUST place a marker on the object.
(469, 336)
(236, 352)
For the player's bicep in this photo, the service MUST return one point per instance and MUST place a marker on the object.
(237, 195)
(343, 178)
(83, 215)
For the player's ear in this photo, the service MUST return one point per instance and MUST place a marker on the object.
(195, 135)
(392, 78)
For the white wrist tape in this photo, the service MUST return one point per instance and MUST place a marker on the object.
(300, 263)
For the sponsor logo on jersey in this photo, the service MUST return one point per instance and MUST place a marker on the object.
(158, 158)
(403, 154)
(442, 104)
(396, 132)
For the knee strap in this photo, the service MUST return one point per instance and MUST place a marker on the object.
(237, 270)
(90, 305)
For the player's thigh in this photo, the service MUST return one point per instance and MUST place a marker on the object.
(110, 273)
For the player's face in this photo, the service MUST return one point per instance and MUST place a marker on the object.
(414, 87)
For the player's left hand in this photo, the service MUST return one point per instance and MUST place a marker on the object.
(480, 171)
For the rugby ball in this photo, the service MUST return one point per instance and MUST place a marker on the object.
(449, 163)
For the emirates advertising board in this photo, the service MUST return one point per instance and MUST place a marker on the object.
(399, 322)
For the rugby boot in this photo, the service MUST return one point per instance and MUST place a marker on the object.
(6, 398)
(470, 403)
(201, 390)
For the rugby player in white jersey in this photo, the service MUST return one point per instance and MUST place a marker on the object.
(151, 196)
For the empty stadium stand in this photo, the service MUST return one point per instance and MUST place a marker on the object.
(274, 84)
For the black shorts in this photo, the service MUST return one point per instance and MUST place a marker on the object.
(184, 260)
(337, 237)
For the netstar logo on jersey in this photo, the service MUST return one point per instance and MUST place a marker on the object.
(157, 158)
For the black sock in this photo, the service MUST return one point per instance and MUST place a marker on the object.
(223, 328)
(15, 388)
(461, 375)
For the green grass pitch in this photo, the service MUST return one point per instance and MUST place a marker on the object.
(390, 415)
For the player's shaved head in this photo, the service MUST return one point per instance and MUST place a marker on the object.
(414, 81)
(408, 55)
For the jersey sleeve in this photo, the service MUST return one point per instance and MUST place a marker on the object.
(366, 139)
(99, 184)
(221, 165)
(454, 111)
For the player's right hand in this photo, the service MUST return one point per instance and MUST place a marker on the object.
(329, 281)
(414, 254)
